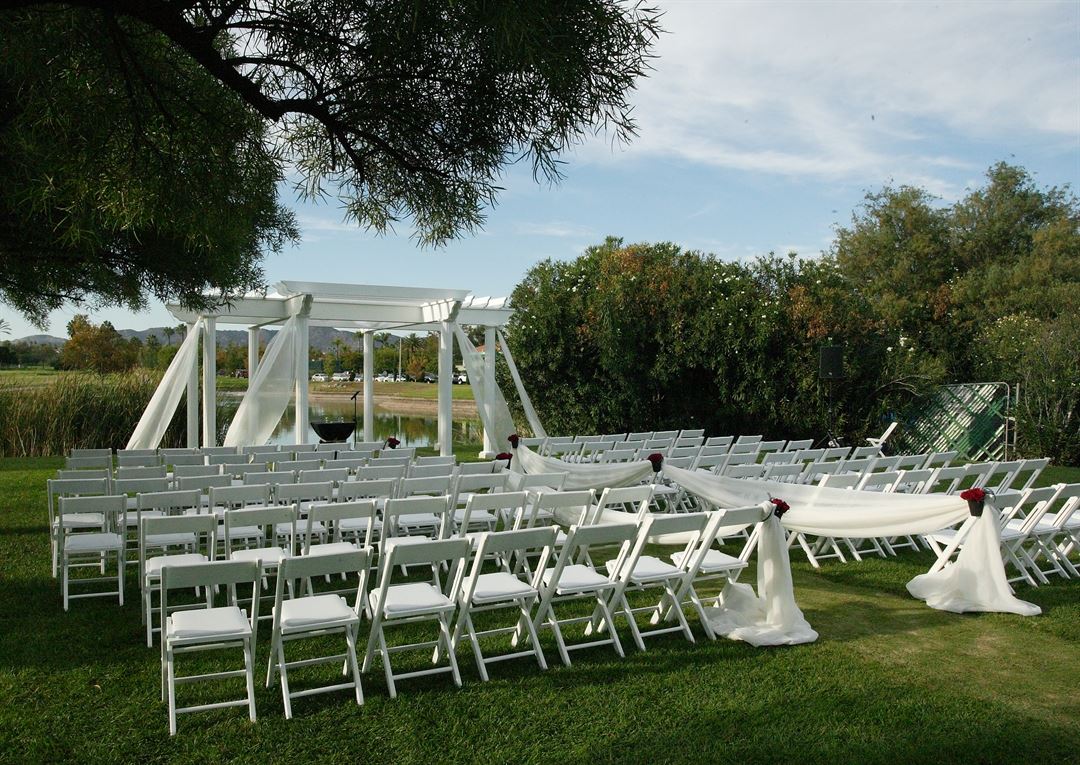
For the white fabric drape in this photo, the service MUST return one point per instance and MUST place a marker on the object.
(770, 616)
(498, 421)
(526, 402)
(582, 475)
(268, 392)
(159, 412)
(975, 581)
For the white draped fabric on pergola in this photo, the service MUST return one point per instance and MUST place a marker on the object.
(282, 372)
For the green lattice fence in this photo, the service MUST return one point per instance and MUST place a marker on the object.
(972, 419)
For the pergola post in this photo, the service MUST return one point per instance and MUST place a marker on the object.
(193, 400)
(369, 386)
(489, 391)
(446, 391)
(209, 402)
(253, 352)
(302, 379)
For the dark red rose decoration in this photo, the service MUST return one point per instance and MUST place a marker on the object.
(976, 499)
(779, 507)
(392, 442)
(504, 456)
(513, 439)
(657, 460)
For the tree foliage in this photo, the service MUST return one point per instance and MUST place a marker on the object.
(174, 119)
(633, 337)
(125, 169)
(98, 348)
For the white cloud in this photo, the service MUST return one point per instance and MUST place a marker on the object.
(856, 91)
(555, 229)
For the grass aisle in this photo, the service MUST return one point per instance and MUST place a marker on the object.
(889, 681)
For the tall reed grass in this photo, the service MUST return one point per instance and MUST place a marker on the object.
(78, 410)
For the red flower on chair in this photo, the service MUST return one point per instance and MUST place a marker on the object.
(779, 507)
(973, 495)
(513, 439)
(392, 442)
(504, 456)
(657, 460)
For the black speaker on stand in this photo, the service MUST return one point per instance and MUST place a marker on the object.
(830, 369)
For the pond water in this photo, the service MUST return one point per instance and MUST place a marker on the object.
(411, 429)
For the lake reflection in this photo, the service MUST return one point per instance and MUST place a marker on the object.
(410, 429)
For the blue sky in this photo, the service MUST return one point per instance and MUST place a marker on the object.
(761, 128)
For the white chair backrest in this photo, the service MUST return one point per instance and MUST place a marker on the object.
(665, 434)
(204, 482)
(274, 478)
(836, 453)
(391, 460)
(170, 501)
(692, 433)
(135, 485)
(489, 482)
(860, 452)
(618, 455)
(229, 458)
(722, 442)
(809, 455)
(436, 460)
(860, 465)
(523, 481)
(779, 458)
(143, 471)
(439, 506)
(750, 447)
(684, 451)
(352, 465)
(269, 520)
(885, 481)
(331, 514)
(376, 488)
(240, 496)
(74, 463)
(260, 449)
(747, 440)
(813, 471)
(911, 461)
(709, 461)
(627, 499)
(884, 463)
(507, 504)
(1031, 469)
(376, 472)
(314, 491)
(178, 460)
(138, 460)
(786, 473)
(1001, 477)
(795, 446)
(84, 473)
(744, 471)
(771, 446)
(914, 481)
(187, 471)
(642, 436)
(840, 480)
(480, 468)
(90, 453)
(301, 448)
(169, 452)
(747, 458)
(436, 485)
(429, 471)
(336, 474)
(113, 510)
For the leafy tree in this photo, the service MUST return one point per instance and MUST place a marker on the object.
(150, 352)
(166, 123)
(98, 348)
(5, 328)
(126, 169)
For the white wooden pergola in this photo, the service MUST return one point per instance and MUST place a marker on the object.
(353, 307)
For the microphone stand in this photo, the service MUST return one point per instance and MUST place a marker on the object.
(356, 423)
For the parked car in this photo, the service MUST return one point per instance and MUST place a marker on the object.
(429, 377)
(318, 377)
(460, 378)
(341, 377)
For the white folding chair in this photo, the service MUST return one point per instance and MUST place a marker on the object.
(72, 487)
(189, 532)
(147, 471)
(798, 445)
(568, 580)
(90, 547)
(273, 478)
(407, 603)
(744, 471)
(316, 616)
(503, 589)
(374, 472)
(638, 572)
(722, 442)
(209, 628)
(482, 468)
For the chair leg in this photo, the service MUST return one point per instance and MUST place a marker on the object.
(121, 557)
(386, 664)
(350, 641)
(283, 675)
(444, 630)
(481, 665)
(64, 580)
(249, 672)
(631, 622)
(537, 648)
(170, 671)
(611, 626)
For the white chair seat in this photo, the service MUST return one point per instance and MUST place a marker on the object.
(500, 585)
(714, 561)
(267, 556)
(317, 609)
(332, 548)
(648, 569)
(165, 540)
(413, 598)
(392, 542)
(476, 517)
(1050, 519)
(226, 621)
(93, 542)
(155, 564)
(82, 521)
(418, 520)
(578, 578)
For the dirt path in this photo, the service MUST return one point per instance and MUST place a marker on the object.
(405, 404)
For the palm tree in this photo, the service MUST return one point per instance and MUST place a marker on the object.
(168, 332)
(5, 328)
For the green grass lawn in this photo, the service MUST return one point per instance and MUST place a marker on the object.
(889, 680)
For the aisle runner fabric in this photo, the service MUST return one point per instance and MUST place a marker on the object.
(159, 412)
(974, 582)
(268, 392)
(582, 475)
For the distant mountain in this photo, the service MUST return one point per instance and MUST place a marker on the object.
(42, 340)
(321, 337)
